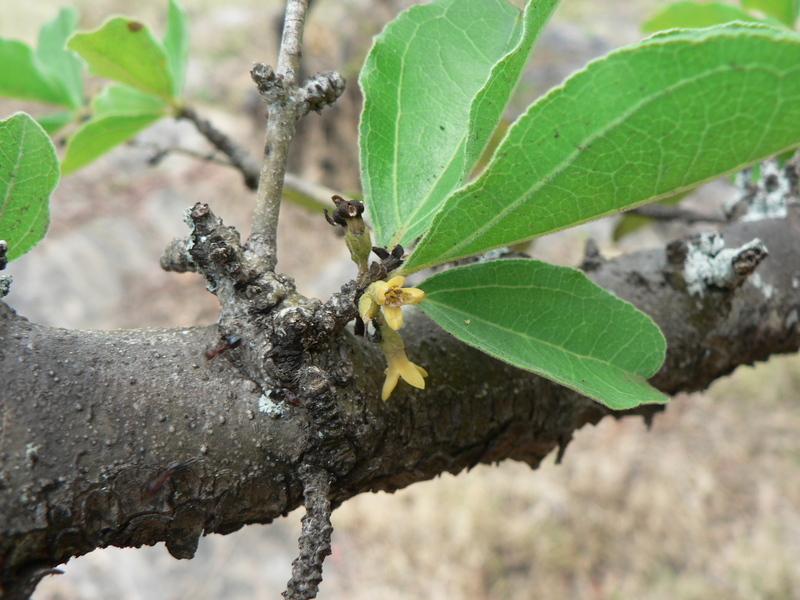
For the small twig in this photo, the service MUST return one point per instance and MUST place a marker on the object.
(315, 538)
(672, 212)
(279, 89)
(306, 193)
(160, 152)
(239, 157)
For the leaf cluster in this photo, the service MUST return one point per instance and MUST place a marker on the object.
(643, 123)
(148, 76)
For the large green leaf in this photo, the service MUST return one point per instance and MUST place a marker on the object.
(23, 75)
(125, 50)
(419, 129)
(552, 321)
(487, 108)
(785, 11)
(638, 125)
(176, 43)
(62, 64)
(28, 175)
(97, 136)
(695, 14)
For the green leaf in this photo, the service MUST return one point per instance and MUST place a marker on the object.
(24, 76)
(785, 11)
(62, 64)
(97, 136)
(419, 82)
(28, 175)
(125, 50)
(695, 14)
(487, 108)
(554, 322)
(643, 123)
(176, 43)
(121, 99)
(52, 122)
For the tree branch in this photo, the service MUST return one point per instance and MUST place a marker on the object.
(280, 91)
(315, 539)
(94, 417)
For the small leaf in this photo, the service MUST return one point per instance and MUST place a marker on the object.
(419, 81)
(695, 14)
(785, 11)
(54, 121)
(176, 43)
(641, 124)
(28, 175)
(125, 50)
(97, 136)
(552, 321)
(62, 64)
(24, 76)
(121, 99)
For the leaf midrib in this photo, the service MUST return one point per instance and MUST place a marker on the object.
(15, 170)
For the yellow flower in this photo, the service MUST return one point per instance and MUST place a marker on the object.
(399, 365)
(391, 295)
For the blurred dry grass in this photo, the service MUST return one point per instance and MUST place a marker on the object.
(704, 505)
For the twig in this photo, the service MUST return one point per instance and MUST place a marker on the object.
(671, 212)
(239, 157)
(313, 196)
(279, 89)
(315, 538)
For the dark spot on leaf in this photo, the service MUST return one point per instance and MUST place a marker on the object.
(135, 26)
(441, 127)
(557, 134)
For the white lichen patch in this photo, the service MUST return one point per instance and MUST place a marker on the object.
(710, 264)
(791, 319)
(771, 197)
(269, 407)
(766, 289)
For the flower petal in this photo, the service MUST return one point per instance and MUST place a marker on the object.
(367, 307)
(394, 316)
(411, 374)
(378, 290)
(392, 377)
(412, 295)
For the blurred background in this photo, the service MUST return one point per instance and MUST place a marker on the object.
(703, 505)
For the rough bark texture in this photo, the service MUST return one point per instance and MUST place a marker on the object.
(131, 437)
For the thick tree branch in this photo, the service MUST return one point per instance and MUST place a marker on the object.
(91, 419)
